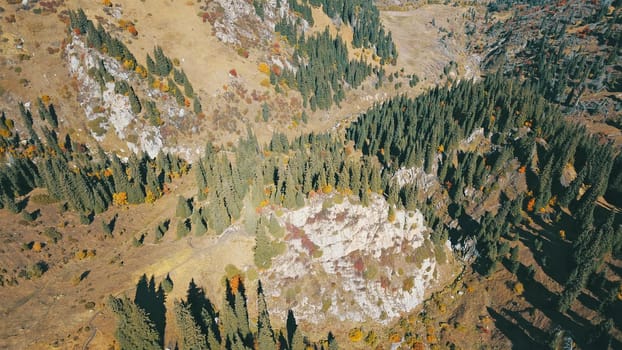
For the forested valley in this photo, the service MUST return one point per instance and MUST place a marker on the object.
(526, 196)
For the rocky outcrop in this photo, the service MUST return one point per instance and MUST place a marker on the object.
(349, 262)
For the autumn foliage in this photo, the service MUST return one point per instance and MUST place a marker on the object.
(531, 204)
(132, 29)
(235, 284)
(276, 70)
(355, 335)
(394, 337)
(264, 68)
(36, 247)
(119, 198)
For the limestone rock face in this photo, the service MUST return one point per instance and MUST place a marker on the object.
(236, 21)
(345, 261)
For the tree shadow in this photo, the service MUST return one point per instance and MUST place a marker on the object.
(202, 309)
(290, 326)
(282, 341)
(36, 214)
(152, 301)
(588, 301)
(113, 223)
(615, 269)
(545, 301)
(519, 337)
(53, 115)
(22, 204)
(615, 344)
(85, 274)
(535, 333)
(236, 297)
(553, 256)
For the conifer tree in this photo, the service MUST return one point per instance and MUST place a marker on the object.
(163, 64)
(199, 226)
(189, 91)
(228, 316)
(197, 105)
(263, 248)
(332, 342)
(190, 334)
(134, 328)
(151, 67)
(241, 313)
(265, 334)
(183, 209)
(298, 340)
(134, 102)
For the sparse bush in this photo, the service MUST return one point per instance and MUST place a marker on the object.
(36, 270)
(231, 271)
(107, 227)
(371, 338)
(355, 335)
(86, 218)
(28, 217)
(518, 288)
(52, 234)
(167, 284)
(408, 284)
(80, 254)
(370, 272)
(183, 228)
(326, 304)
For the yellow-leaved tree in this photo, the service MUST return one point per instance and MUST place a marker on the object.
(119, 198)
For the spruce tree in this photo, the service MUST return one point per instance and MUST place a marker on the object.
(199, 226)
(188, 88)
(134, 102)
(190, 334)
(183, 228)
(183, 209)
(263, 248)
(163, 64)
(151, 67)
(134, 328)
(265, 334)
(241, 313)
(197, 105)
